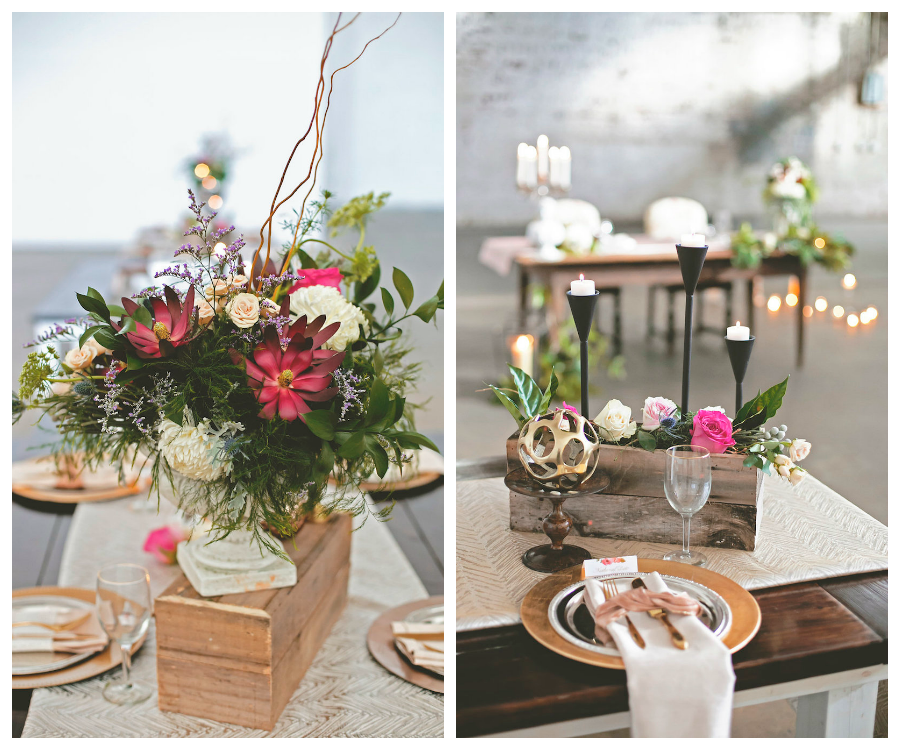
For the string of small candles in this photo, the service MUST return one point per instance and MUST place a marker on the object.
(543, 168)
(853, 317)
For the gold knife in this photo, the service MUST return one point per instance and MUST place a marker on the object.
(660, 614)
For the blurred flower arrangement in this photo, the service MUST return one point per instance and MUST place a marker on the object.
(663, 425)
(208, 170)
(246, 386)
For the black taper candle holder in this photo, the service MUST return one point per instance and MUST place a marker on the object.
(690, 259)
(739, 354)
(583, 306)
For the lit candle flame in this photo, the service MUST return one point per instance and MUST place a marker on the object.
(581, 277)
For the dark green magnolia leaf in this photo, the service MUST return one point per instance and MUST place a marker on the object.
(321, 423)
(354, 446)
(104, 337)
(427, 309)
(754, 420)
(116, 311)
(510, 405)
(530, 395)
(142, 316)
(379, 454)
(379, 402)
(647, 440)
(549, 393)
(362, 291)
(128, 326)
(412, 440)
(404, 287)
(134, 362)
(388, 301)
(88, 333)
(770, 400)
(91, 292)
(93, 305)
(305, 260)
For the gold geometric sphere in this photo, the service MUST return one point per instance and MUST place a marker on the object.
(560, 449)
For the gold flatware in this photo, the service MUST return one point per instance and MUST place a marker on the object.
(609, 591)
(660, 614)
(55, 628)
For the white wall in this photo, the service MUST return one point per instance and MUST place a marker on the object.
(107, 106)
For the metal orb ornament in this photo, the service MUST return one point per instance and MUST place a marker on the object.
(560, 450)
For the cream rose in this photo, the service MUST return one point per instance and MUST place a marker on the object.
(797, 475)
(313, 301)
(60, 389)
(799, 449)
(217, 293)
(79, 359)
(783, 465)
(615, 421)
(244, 310)
(238, 280)
(96, 348)
(205, 312)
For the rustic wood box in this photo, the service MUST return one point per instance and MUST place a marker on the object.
(634, 506)
(238, 658)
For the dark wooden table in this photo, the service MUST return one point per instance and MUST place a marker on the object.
(417, 524)
(823, 642)
(610, 270)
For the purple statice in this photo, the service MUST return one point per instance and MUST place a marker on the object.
(140, 422)
(57, 332)
(348, 385)
(108, 401)
(150, 291)
(268, 283)
(182, 272)
(162, 391)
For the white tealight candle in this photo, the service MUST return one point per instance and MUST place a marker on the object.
(693, 240)
(737, 332)
(582, 287)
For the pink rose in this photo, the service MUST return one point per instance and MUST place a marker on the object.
(318, 277)
(657, 408)
(162, 543)
(712, 430)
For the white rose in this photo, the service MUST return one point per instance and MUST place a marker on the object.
(96, 348)
(205, 312)
(797, 475)
(79, 359)
(615, 421)
(244, 310)
(217, 293)
(714, 408)
(799, 449)
(313, 301)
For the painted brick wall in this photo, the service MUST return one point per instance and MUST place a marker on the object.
(656, 104)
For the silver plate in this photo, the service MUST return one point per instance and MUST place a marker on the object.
(38, 662)
(570, 618)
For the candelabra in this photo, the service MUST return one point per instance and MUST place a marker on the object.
(543, 169)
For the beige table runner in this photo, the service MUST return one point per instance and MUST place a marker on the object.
(807, 532)
(345, 693)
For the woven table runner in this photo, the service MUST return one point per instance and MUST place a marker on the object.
(807, 532)
(345, 693)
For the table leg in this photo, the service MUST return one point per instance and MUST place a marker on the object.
(670, 326)
(523, 295)
(558, 308)
(617, 321)
(843, 712)
(751, 284)
(801, 321)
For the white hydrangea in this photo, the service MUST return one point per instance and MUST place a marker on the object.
(314, 301)
(191, 449)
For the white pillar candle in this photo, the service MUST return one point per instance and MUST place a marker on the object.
(523, 354)
(543, 157)
(582, 287)
(565, 168)
(521, 167)
(737, 332)
(553, 155)
(531, 174)
(693, 240)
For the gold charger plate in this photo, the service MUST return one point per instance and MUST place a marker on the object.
(419, 480)
(103, 661)
(746, 617)
(36, 479)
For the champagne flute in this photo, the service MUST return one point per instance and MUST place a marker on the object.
(688, 481)
(124, 608)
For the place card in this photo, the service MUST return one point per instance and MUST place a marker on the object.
(610, 567)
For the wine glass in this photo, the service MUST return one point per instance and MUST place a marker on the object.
(688, 481)
(124, 608)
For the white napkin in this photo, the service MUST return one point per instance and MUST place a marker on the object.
(86, 637)
(672, 693)
(421, 643)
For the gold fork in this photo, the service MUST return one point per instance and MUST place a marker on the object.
(55, 628)
(660, 614)
(609, 591)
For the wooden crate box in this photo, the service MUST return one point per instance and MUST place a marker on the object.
(634, 506)
(238, 658)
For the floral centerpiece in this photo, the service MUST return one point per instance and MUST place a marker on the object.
(248, 384)
(663, 425)
(790, 191)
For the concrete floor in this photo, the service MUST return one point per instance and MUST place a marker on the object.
(837, 400)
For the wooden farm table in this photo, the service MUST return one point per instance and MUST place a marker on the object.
(824, 642)
(646, 269)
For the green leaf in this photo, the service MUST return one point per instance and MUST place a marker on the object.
(325, 461)
(134, 362)
(388, 301)
(104, 338)
(379, 402)
(440, 292)
(128, 326)
(378, 361)
(142, 316)
(87, 334)
(354, 446)
(647, 440)
(321, 423)
(116, 311)
(363, 290)
(770, 400)
(427, 309)
(530, 395)
(412, 440)
(93, 305)
(305, 260)
(91, 292)
(404, 287)
(752, 461)
(379, 454)
(550, 392)
(174, 410)
(510, 405)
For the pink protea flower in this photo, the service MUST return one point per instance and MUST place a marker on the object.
(171, 323)
(285, 379)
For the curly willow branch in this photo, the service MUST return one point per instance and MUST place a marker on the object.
(264, 237)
